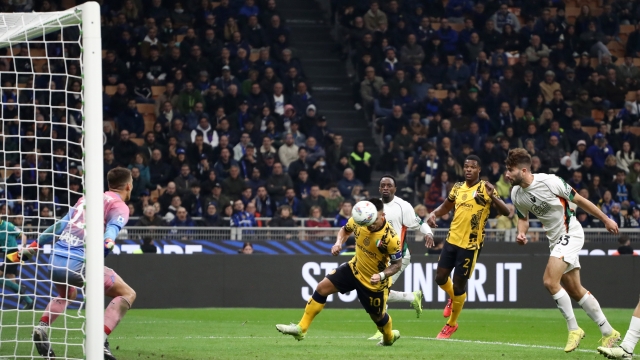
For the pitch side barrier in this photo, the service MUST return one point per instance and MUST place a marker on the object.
(498, 281)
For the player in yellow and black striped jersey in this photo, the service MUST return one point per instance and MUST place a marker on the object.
(378, 257)
(472, 201)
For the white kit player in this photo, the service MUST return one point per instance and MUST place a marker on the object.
(401, 216)
(68, 257)
(548, 197)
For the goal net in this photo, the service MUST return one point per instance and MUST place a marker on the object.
(51, 155)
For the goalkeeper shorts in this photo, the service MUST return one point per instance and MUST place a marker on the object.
(67, 271)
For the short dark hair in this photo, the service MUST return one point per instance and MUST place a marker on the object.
(518, 157)
(474, 158)
(389, 176)
(378, 203)
(118, 177)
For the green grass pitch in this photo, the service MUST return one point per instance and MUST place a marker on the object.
(181, 334)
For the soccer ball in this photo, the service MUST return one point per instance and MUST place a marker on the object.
(364, 213)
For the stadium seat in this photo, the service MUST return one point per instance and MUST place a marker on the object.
(138, 141)
(146, 109)
(518, 113)
(38, 53)
(635, 130)
(149, 121)
(626, 29)
(110, 89)
(179, 38)
(104, 54)
(597, 115)
(441, 94)
(154, 195)
(254, 56)
(591, 130)
(157, 91)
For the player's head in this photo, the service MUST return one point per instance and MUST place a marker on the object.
(472, 166)
(120, 181)
(518, 165)
(387, 187)
(377, 225)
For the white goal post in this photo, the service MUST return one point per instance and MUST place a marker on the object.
(21, 28)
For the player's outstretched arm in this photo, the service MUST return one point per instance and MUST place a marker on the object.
(391, 270)
(589, 207)
(47, 236)
(444, 208)
(523, 227)
(495, 199)
(343, 235)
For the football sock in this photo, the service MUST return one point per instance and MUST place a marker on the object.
(456, 308)
(632, 336)
(399, 296)
(116, 310)
(55, 307)
(563, 301)
(313, 308)
(8, 284)
(385, 327)
(591, 306)
(448, 287)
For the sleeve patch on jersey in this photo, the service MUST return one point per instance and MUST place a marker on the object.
(120, 220)
(396, 256)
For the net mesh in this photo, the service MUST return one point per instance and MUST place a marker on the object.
(42, 170)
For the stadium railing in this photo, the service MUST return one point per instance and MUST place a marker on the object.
(329, 234)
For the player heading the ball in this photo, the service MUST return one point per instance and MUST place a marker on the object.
(377, 244)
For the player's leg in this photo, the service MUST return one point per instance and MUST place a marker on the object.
(446, 263)
(413, 298)
(553, 273)
(123, 297)
(8, 276)
(465, 264)
(571, 282)
(374, 302)
(341, 279)
(625, 349)
(66, 274)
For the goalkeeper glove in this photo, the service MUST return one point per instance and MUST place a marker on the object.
(108, 246)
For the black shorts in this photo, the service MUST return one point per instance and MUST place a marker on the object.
(373, 302)
(10, 268)
(455, 257)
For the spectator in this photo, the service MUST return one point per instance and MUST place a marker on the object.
(184, 180)
(625, 246)
(288, 152)
(182, 219)
(360, 161)
(240, 217)
(411, 52)
(124, 150)
(278, 183)
(148, 246)
(189, 97)
(599, 151)
(375, 19)
(247, 249)
(159, 170)
(234, 183)
(264, 203)
(292, 201)
(316, 220)
(346, 184)
(620, 190)
(150, 218)
(131, 120)
(314, 199)
(283, 219)
(344, 215)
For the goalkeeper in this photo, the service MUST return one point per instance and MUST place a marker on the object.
(67, 261)
(9, 234)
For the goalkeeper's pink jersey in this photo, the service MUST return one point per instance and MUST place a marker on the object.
(72, 238)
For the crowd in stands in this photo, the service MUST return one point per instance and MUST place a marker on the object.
(442, 80)
(207, 104)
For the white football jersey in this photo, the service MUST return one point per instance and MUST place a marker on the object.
(549, 198)
(401, 216)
